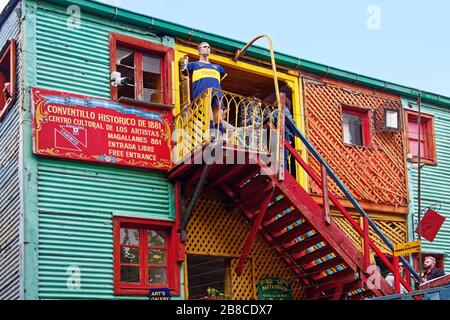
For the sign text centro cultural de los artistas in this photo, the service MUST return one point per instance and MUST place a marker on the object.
(77, 127)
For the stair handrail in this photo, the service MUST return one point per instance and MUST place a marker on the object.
(347, 193)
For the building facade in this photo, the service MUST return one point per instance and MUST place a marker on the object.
(98, 204)
(345, 123)
(434, 179)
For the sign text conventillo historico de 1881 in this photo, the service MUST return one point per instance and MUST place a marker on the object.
(84, 128)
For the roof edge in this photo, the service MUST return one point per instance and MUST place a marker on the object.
(7, 11)
(177, 30)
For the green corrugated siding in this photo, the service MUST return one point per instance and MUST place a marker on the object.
(76, 202)
(77, 59)
(435, 181)
(10, 210)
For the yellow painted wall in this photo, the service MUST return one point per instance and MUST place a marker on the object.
(215, 231)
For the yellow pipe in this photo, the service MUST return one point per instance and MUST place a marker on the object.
(241, 52)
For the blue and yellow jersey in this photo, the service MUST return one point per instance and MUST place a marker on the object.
(204, 76)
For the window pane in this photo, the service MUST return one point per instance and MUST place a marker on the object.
(157, 256)
(391, 119)
(129, 236)
(423, 152)
(129, 274)
(127, 72)
(413, 129)
(353, 129)
(157, 275)
(413, 147)
(151, 63)
(125, 56)
(126, 91)
(129, 255)
(156, 238)
(152, 96)
(152, 81)
(152, 87)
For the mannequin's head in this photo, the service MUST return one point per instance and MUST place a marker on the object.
(204, 49)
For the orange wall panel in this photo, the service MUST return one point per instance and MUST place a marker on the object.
(375, 174)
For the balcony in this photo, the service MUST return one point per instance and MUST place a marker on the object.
(246, 124)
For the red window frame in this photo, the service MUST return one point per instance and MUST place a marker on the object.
(427, 127)
(172, 267)
(8, 50)
(365, 124)
(140, 45)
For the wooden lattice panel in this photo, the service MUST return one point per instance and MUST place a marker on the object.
(267, 264)
(396, 231)
(376, 174)
(351, 233)
(214, 230)
(243, 287)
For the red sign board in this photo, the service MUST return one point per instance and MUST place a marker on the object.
(430, 225)
(77, 127)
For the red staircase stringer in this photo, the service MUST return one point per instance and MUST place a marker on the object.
(313, 213)
(277, 247)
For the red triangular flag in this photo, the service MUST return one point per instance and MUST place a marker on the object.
(430, 224)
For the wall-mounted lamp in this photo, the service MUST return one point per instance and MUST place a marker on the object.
(391, 120)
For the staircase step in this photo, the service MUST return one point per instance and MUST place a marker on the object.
(277, 208)
(328, 278)
(315, 269)
(284, 236)
(305, 257)
(225, 175)
(253, 187)
(302, 245)
(278, 226)
(246, 178)
(252, 200)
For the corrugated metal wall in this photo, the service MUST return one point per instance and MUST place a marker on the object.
(76, 200)
(76, 205)
(71, 59)
(435, 182)
(10, 219)
(77, 59)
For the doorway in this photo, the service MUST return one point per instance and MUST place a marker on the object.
(207, 277)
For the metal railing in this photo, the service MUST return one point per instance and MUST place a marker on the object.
(368, 225)
(440, 293)
(244, 122)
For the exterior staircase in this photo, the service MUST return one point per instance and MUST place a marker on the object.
(303, 233)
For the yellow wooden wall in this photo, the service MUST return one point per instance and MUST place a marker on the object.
(214, 230)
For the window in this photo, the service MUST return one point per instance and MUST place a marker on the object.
(144, 256)
(7, 76)
(426, 139)
(356, 126)
(146, 65)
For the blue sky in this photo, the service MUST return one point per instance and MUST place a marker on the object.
(405, 43)
(410, 47)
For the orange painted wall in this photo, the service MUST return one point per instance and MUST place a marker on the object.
(375, 175)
